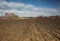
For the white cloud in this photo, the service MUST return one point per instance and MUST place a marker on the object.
(1, 0)
(22, 9)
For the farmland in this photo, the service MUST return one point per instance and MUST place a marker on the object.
(34, 29)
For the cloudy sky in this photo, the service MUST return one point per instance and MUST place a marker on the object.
(30, 8)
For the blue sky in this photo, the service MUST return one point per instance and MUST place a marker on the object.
(30, 8)
(38, 3)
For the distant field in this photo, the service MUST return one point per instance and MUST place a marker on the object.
(44, 29)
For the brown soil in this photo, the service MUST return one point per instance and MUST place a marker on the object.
(29, 30)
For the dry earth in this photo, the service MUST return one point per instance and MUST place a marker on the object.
(29, 30)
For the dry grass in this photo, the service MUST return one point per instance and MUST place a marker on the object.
(30, 30)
